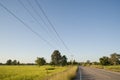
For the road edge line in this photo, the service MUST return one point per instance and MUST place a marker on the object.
(80, 74)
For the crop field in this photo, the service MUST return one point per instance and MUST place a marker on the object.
(28, 72)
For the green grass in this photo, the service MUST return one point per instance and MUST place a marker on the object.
(68, 74)
(28, 72)
(97, 66)
(113, 68)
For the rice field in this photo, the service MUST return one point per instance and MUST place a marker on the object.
(33, 72)
(28, 72)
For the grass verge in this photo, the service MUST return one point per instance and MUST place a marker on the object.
(115, 68)
(68, 74)
(97, 66)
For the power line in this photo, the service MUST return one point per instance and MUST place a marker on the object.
(26, 25)
(36, 12)
(33, 17)
(52, 26)
(31, 14)
(40, 17)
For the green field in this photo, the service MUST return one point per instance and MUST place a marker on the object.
(115, 68)
(35, 72)
(27, 72)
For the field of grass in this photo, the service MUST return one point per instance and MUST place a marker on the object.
(115, 68)
(28, 72)
(97, 66)
(68, 74)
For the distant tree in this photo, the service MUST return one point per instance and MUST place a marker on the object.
(104, 60)
(51, 63)
(14, 62)
(56, 57)
(0, 63)
(88, 62)
(95, 63)
(69, 63)
(18, 62)
(40, 61)
(74, 62)
(115, 59)
(9, 62)
(30, 64)
(63, 60)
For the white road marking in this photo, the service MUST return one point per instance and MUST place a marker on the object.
(80, 74)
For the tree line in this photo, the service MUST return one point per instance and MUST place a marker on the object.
(114, 59)
(61, 60)
(56, 60)
(12, 62)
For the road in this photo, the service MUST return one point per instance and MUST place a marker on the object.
(85, 73)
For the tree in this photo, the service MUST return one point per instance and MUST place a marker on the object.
(40, 61)
(95, 63)
(69, 63)
(88, 62)
(56, 57)
(1, 63)
(63, 60)
(115, 59)
(18, 62)
(14, 62)
(9, 62)
(74, 62)
(104, 60)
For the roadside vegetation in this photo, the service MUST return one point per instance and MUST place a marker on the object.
(111, 63)
(115, 68)
(28, 72)
(68, 74)
(58, 69)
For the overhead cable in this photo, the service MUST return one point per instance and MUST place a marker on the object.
(26, 25)
(52, 26)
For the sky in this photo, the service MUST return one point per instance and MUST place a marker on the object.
(89, 28)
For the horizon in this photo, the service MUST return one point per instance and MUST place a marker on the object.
(87, 29)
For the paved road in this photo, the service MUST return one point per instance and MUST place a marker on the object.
(85, 73)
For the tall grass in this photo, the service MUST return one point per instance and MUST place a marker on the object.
(28, 72)
(115, 68)
(97, 66)
(68, 74)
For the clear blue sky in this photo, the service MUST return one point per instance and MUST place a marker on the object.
(90, 29)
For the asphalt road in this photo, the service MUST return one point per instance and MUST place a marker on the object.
(85, 73)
